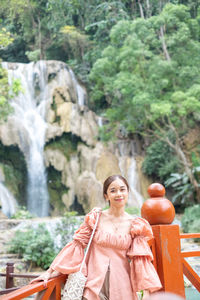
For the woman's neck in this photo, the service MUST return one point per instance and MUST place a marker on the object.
(116, 212)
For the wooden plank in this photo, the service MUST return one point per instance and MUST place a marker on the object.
(189, 235)
(31, 289)
(48, 292)
(190, 253)
(191, 275)
(58, 292)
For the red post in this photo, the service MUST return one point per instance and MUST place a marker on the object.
(169, 262)
(160, 213)
(9, 279)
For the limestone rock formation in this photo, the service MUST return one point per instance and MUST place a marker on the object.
(72, 148)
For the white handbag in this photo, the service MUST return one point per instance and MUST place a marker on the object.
(74, 286)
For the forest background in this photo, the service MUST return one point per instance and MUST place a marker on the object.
(139, 61)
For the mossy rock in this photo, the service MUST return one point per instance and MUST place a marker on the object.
(56, 189)
(67, 144)
(15, 171)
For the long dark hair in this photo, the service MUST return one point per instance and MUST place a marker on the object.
(112, 178)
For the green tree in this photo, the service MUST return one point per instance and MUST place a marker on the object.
(148, 77)
(5, 109)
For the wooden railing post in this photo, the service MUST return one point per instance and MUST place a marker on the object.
(160, 213)
(9, 279)
(169, 261)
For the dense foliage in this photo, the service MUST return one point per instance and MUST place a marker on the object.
(140, 61)
(191, 219)
(35, 246)
(148, 80)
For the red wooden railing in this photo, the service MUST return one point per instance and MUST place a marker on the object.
(53, 289)
(188, 271)
(169, 262)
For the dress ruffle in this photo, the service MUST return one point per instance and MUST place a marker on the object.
(140, 231)
(143, 273)
(69, 259)
(141, 227)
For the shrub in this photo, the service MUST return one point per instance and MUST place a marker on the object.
(66, 229)
(22, 213)
(160, 161)
(191, 219)
(184, 191)
(34, 245)
(133, 210)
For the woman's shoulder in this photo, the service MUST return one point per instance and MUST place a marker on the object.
(90, 218)
(140, 226)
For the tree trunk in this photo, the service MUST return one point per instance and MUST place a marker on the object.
(141, 9)
(188, 170)
(40, 38)
(180, 153)
(164, 46)
(148, 9)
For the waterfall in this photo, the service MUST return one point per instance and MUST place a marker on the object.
(7, 200)
(134, 182)
(29, 116)
(128, 168)
(81, 95)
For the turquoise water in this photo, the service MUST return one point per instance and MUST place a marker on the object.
(192, 294)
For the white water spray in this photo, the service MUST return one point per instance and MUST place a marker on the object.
(128, 168)
(30, 126)
(7, 201)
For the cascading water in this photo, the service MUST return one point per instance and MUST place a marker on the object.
(29, 115)
(134, 182)
(7, 201)
(79, 90)
(128, 168)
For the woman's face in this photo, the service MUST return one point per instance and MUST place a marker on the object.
(117, 193)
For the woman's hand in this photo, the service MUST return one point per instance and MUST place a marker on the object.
(43, 277)
(46, 276)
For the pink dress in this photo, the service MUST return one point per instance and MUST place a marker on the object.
(125, 260)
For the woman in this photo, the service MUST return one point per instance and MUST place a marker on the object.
(119, 260)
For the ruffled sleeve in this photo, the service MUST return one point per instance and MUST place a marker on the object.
(71, 256)
(143, 273)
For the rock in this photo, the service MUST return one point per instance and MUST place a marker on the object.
(53, 131)
(51, 116)
(83, 171)
(106, 165)
(2, 176)
(56, 159)
(2, 216)
(89, 191)
(64, 111)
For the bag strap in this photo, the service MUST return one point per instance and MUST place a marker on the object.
(90, 240)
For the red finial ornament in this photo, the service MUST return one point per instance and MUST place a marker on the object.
(157, 209)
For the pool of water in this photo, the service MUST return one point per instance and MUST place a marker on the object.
(192, 294)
